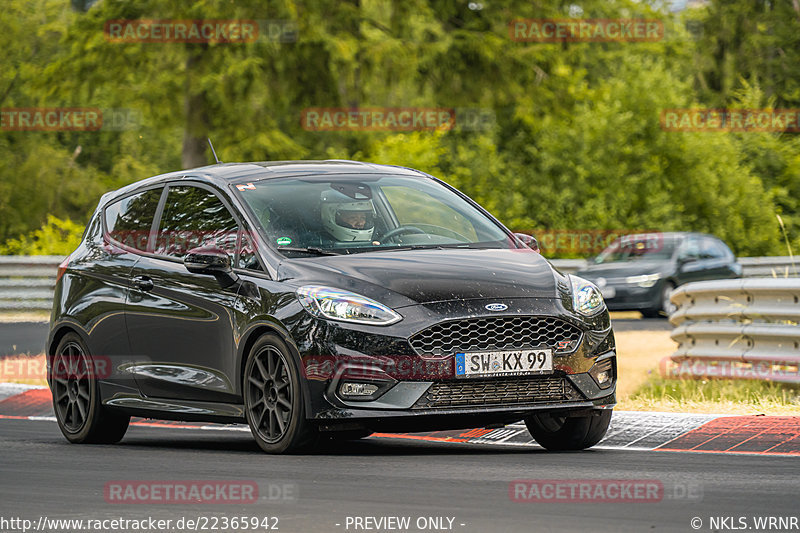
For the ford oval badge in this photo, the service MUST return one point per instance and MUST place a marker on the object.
(496, 307)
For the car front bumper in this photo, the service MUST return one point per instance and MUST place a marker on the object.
(629, 297)
(420, 390)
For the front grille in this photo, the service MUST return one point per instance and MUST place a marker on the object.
(497, 391)
(493, 333)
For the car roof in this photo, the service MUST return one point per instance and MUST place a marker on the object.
(672, 235)
(223, 174)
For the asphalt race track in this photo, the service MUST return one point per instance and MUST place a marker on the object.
(446, 481)
(43, 475)
(22, 337)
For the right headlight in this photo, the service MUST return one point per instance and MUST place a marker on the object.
(586, 297)
(336, 304)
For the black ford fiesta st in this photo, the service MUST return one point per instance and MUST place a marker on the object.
(321, 300)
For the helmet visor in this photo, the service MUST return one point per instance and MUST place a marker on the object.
(355, 218)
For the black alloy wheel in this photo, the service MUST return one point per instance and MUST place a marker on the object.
(76, 397)
(273, 398)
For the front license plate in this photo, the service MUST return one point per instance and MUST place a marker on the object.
(504, 363)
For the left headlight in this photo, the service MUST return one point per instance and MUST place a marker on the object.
(644, 281)
(336, 304)
(586, 297)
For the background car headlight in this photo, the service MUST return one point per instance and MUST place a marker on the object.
(586, 297)
(647, 280)
(336, 304)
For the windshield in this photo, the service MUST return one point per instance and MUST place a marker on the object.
(367, 213)
(645, 247)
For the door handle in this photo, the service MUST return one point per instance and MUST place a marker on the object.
(143, 283)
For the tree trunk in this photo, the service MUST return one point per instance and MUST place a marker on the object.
(196, 126)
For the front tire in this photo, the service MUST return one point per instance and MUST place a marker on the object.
(556, 433)
(273, 398)
(76, 397)
(664, 307)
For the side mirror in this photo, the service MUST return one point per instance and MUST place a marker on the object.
(682, 260)
(528, 240)
(212, 261)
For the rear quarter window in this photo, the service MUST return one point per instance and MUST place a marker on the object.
(129, 220)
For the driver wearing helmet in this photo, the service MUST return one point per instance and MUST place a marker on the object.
(347, 219)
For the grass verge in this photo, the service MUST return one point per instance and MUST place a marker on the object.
(641, 387)
(24, 316)
(721, 396)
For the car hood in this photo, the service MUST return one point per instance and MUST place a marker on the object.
(408, 277)
(623, 269)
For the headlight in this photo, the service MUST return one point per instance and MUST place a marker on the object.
(645, 281)
(335, 304)
(586, 298)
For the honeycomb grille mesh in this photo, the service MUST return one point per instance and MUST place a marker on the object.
(505, 391)
(492, 333)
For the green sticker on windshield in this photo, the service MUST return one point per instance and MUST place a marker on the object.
(283, 241)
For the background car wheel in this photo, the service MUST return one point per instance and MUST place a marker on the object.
(76, 397)
(273, 398)
(556, 433)
(664, 307)
(667, 307)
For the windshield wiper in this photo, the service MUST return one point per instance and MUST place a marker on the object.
(309, 250)
(411, 247)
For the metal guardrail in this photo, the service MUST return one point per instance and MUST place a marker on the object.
(741, 329)
(26, 282)
(769, 267)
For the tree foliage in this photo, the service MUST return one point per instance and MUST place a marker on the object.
(574, 143)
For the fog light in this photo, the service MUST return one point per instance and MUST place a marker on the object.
(603, 372)
(357, 389)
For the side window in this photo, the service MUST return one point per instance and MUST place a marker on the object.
(195, 217)
(706, 249)
(129, 220)
(247, 253)
(713, 249)
(690, 248)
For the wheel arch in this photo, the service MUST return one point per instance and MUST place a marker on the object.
(255, 332)
(60, 331)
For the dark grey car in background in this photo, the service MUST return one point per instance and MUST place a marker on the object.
(638, 272)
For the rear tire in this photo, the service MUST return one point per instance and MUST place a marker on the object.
(273, 398)
(556, 433)
(76, 397)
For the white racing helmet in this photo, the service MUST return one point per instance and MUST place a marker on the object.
(347, 219)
